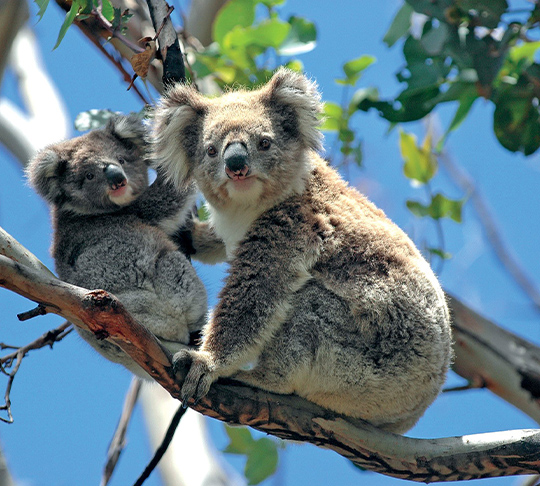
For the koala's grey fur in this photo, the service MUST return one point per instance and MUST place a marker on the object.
(325, 297)
(111, 231)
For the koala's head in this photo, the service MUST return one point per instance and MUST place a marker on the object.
(245, 147)
(95, 173)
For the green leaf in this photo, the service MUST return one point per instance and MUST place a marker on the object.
(516, 122)
(272, 3)
(300, 39)
(332, 117)
(400, 25)
(443, 255)
(439, 207)
(107, 10)
(526, 50)
(353, 69)
(234, 13)
(42, 4)
(435, 39)
(420, 164)
(332, 110)
(92, 119)
(70, 17)
(466, 100)
(358, 154)
(295, 65)
(241, 439)
(262, 461)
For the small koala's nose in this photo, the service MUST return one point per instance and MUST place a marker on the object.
(236, 157)
(115, 176)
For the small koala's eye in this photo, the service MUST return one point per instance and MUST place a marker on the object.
(211, 151)
(121, 160)
(89, 176)
(264, 144)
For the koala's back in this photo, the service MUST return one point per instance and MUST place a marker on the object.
(368, 335)
(111, 251)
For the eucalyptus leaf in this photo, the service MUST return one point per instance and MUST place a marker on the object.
(262, 461)
(42, 4)
(76, 6)
(241, 440)
(439, 207)
(400, 25)
(234, 13)
(420, 164)
(107, 10)
(300, 39)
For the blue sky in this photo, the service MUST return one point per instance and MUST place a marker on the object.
(67, 401)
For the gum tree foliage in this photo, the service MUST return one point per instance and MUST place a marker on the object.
(454, 52)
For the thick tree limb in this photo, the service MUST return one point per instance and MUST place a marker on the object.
(490, 356)
(285, 416)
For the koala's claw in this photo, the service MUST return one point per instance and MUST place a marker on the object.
(199, 377)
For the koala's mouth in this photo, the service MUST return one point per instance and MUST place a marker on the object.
(121, 193)
(238, 175)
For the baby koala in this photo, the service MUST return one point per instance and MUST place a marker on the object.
(326, 297)
(111, 231)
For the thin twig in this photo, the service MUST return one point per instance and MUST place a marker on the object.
(163, 446)
(509, 262)
(7, 362)
(118, 441)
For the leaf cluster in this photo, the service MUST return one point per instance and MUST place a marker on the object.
(464, 50)
(82, 9)
(250, 40)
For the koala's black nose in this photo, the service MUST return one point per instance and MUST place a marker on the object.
(236, 156)
(115, 176)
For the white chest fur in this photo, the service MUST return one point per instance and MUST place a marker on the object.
(232, 225)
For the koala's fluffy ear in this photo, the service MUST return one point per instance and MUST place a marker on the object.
(175, 135)
(127, 127)
(44, 173)
(288, 90)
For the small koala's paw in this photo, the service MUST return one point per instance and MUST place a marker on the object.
(199, 377)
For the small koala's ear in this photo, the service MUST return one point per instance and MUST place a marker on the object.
(128, 127)
(44, 173)
(293, 92)
(176, 131)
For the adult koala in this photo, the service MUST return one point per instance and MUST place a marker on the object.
(325, 297)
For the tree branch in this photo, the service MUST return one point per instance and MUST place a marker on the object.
(285, 416)
(118, 442)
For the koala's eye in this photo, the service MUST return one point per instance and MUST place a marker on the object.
(211, 151)
(264, 144)
(121, 160)
(89, 176)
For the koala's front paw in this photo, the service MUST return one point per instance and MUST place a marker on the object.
(199, 377)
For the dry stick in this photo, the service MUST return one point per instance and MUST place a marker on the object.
(118, 441)
(160, 452)
(462, 179)
(285, 416)
(174, 70)
(47, 339)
